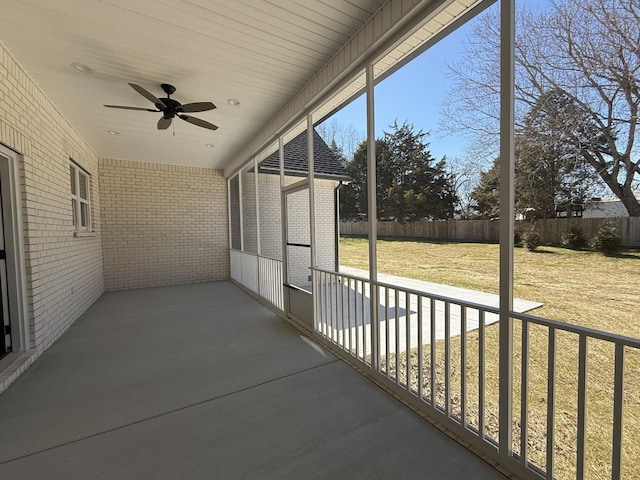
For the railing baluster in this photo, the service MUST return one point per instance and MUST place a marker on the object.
(463, 365)
(341, 322)
(524, 395)
(349, 322)
(336, 307)
(364, 321)
(618, 412)
(481, 373)
(355, 311)
(397, 336)
(582, 407)
(447, 359)
(273, 285)
(420, 362)
(407, 321)
(333, 309)
(336, 312)
(386, 329)
(551, 402)
(325, 316)
(433, 353)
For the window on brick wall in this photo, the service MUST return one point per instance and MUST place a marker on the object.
(80, 197)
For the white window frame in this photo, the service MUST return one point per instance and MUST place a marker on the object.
(80, 217)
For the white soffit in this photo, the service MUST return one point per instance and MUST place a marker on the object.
(440, 19)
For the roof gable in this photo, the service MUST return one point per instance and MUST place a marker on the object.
(326, 164)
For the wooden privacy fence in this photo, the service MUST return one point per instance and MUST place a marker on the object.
(486, 231)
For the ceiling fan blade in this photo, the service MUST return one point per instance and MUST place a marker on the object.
(199, 122)
(132, 108)
(196, 107)
(149, 96)
(164, 123)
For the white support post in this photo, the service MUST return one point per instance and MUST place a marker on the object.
(312, 211)
(255, 177)
(283, 220)
(507, 174)
(229, 212)
(372, 218)
(312, 218)
(240, 210)
(283, 226)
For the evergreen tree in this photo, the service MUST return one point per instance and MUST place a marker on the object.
(551, 172)
(354, 196)
(486, 196)
(410, 184)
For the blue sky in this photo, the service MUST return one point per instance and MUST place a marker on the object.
(416, 92)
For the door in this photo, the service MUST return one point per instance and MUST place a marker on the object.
(297, 253)
(5, 321)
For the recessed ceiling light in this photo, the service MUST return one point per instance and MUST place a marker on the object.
(113, 132)
(209, 145)
(81, 67)
(233, 101)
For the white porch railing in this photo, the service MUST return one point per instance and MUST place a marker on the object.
(261, 275)
(438, 353)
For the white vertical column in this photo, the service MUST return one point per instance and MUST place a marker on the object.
(229, 212)
(255, 177)
(507, 174)
(312, 210)
(372, 217)
(240, 210)
(312, 219)
(283, 217)
(283, 225)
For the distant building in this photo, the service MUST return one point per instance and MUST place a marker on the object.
(607, 207)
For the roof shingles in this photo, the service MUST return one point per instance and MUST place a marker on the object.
(326, 165)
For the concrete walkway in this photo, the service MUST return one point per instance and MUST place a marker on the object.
(401, 316)
(203, 382)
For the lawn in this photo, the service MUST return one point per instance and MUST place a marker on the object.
(579, 287)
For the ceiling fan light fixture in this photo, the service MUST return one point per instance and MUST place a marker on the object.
(82, 67)
(113, 132)
(233, 101)
(209, 145)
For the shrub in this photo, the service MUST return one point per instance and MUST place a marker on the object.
(517, 238)
(531, 239)
(574, 238)
(607, 240)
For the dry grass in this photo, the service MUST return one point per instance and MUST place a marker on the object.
(579, 287)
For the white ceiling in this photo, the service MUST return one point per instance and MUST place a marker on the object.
(261, 52)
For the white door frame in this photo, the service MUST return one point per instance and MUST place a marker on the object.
(298, 303)
(14, 247)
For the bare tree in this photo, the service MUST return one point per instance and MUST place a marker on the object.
(465, 172)
(341, 135)
(587, 49)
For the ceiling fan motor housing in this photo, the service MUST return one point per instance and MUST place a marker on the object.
(172, 107)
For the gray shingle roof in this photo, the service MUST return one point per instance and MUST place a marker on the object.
(326, 163)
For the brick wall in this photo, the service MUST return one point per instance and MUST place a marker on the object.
(63, 272)
(162, 224)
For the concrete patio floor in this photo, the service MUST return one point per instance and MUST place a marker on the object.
(203, 382)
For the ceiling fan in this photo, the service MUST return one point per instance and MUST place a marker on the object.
(171, 108)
